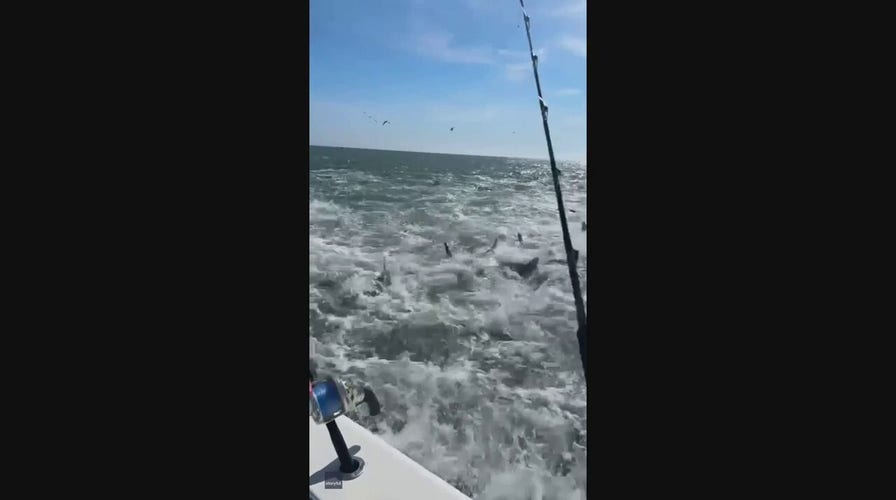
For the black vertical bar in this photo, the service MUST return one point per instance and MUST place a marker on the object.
(347, 464)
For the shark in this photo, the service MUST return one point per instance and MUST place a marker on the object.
(524, 269)
(382, 280)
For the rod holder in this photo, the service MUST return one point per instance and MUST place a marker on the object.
(348, 465)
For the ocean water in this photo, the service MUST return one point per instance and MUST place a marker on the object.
(477, 368)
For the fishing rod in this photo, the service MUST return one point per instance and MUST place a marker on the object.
(572, 255)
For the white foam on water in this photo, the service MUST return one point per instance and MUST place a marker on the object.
(477, 368)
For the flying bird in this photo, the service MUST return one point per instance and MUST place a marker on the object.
(385, 122)
(450, 129)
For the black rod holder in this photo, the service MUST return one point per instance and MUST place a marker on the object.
(347, 464)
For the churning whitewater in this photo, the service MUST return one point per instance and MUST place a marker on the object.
(477, 367)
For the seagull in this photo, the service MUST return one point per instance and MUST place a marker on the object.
(385, 122)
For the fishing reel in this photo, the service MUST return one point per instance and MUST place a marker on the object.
(331, 398)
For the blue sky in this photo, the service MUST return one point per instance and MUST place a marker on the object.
(428, 65)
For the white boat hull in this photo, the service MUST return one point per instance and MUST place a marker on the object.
(388, 474)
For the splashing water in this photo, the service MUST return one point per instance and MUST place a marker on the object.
(477, 369)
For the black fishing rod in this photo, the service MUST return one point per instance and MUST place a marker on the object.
(572, 255)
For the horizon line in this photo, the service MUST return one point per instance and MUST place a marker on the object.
(583, 162)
